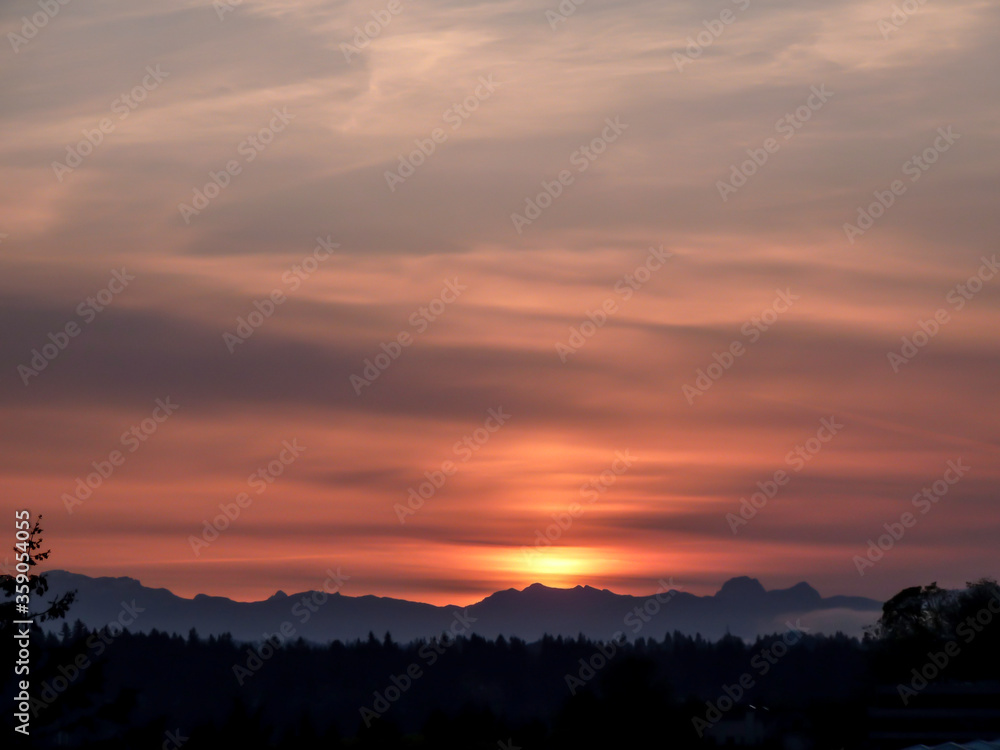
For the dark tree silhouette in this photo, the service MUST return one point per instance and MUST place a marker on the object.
(29, 552)
(930, 613)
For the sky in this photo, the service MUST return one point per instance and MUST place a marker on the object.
(598, 271)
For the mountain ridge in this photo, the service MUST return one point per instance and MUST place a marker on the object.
(742, 606)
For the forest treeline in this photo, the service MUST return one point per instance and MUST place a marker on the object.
(117, 689)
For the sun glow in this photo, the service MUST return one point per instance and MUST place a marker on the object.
(559, 567)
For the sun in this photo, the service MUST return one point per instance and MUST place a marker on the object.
(557, 567)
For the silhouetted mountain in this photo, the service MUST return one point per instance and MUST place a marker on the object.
(120, 691)
(742, 607)
(743, 588)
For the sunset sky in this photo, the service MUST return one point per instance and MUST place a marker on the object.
(181, 86)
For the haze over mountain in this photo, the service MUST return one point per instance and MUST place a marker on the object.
(742, 607)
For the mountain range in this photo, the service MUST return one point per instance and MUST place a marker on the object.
(742, 607)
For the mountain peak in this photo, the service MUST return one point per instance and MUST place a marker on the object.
(741, 587)
(529, 613)
(804, 588)
(802, 593)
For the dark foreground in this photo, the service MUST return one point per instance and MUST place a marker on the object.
(929, 672)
